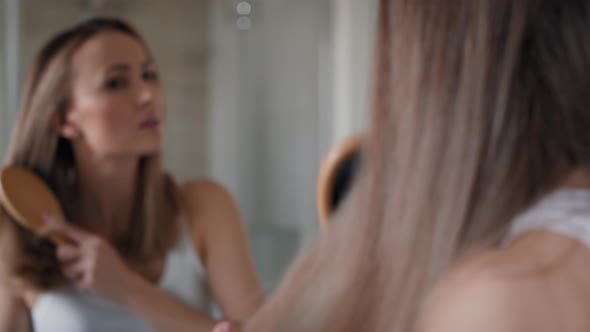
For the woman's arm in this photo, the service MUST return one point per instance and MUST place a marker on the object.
(14, 314)
(92, 264)
(217, 226)
(161, 311)
(217, 231)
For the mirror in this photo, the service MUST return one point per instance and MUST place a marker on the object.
(257, 92)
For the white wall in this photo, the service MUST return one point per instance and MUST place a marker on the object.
(263, 125)
(9, 68)
(353, 34)
(264, 108)
(282, 93)
(4, 127)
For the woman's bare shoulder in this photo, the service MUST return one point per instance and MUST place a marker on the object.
(210, 206)
(508, 289)
(205, 192)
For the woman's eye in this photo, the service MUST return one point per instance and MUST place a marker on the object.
(116, 83)
(151, 76)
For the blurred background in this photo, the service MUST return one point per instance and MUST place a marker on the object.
(257, 92)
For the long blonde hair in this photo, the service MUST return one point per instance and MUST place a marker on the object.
(37, 146)
(482, 107)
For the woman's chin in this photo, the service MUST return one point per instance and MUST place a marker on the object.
(150, 151)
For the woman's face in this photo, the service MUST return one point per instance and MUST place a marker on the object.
(116, 108)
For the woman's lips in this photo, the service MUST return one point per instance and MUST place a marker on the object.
(151, 123)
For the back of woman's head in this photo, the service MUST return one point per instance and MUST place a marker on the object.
(37, 145)
(481, 107)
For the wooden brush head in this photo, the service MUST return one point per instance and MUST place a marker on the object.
(26, 198)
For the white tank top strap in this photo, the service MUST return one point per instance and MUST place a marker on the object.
(565, 211)
(184, 275)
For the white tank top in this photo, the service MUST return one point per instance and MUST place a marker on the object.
(73, 310)
(565, 211)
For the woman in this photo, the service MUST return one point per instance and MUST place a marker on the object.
(91, 127)
(472, 212)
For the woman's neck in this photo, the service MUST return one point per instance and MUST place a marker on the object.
(106, 193)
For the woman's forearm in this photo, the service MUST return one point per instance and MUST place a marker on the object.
(161, 311)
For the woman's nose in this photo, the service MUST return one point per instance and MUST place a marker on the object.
(146, 95)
